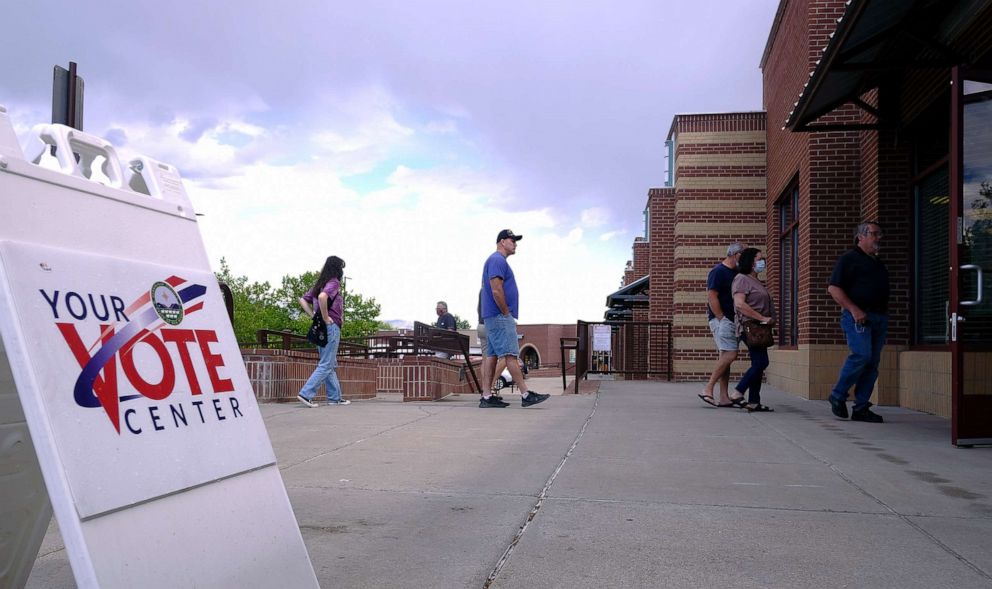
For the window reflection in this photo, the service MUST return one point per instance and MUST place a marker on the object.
(977, 206)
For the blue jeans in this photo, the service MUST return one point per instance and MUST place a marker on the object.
(326, 371)
(751, 381)
(860, 370)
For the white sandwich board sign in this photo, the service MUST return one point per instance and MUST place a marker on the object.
(122, 384)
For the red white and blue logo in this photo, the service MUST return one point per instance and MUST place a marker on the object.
(145, 341)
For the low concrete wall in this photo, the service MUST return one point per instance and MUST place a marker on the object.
(810, 371)
(925, 382)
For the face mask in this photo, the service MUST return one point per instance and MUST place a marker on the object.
(759, 266)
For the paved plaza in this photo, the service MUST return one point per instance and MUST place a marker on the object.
(640, 485)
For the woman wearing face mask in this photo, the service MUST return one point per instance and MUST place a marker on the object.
(752, 301)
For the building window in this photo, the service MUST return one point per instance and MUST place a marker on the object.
(931, 204)
(788, 255)
(669, 148)
(932, 199)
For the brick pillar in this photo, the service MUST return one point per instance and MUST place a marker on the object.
(661, 268)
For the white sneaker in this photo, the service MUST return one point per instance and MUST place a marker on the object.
(341, 402)
(309, 403)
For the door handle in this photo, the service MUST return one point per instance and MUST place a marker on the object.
(978, 295)
(954, 320)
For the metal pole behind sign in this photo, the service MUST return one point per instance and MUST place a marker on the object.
(67, 97)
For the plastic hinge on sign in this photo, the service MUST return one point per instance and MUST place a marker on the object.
(158, 180)
(70, 143)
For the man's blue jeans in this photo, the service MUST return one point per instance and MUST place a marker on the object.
(860, 370)
(326, 371)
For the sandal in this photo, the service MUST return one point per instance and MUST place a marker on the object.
(759, 408)
(738, 402)
(708, 399)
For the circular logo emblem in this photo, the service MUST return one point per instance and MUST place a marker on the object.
(167, 304)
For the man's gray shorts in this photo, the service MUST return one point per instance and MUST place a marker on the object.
(724, 334)
(483, 337)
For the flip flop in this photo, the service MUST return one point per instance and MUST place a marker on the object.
(759, 408)
(739, 401)
(733, 405)
(708, 399)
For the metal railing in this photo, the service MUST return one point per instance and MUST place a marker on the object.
(630, 348)
(288, 340)
(425, 341)
(567, 344)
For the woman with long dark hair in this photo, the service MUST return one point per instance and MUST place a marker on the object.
(752, 301)
(326, 291)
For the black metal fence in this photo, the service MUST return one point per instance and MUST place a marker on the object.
(425, 341)
(634, 349)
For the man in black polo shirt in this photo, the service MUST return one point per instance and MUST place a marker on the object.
(860, 285)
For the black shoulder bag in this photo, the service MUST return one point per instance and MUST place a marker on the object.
(317, 334)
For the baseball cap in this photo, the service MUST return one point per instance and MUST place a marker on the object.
(734, 248)
(508, 234)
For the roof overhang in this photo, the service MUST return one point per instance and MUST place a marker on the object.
(875, 39)
(635, 292)
(629, 296)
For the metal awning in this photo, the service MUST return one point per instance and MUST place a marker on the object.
(619, 315)
(634, 292)
(622, 301)
(876, 38)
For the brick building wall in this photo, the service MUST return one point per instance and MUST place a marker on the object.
(628, 274)
(844, 177)
(719, 198)
(642, 253)
(831, 174)
(545, 339)
(731, 177)
(661, 267)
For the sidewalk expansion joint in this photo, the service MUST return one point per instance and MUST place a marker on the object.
(540, 500)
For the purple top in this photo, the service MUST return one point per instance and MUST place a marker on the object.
(334, 309)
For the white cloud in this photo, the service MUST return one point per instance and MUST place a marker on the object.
(612, 235)
(404, 137)
(595, 217)
(427, 242)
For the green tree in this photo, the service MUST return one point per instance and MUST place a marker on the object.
(257, 305)
(361, 316)
(461, 323)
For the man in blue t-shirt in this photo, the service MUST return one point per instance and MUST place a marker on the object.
(720, 311)
(499, 314)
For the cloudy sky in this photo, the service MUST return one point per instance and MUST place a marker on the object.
(404, 134)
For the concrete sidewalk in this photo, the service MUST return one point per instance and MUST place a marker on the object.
(639, 486)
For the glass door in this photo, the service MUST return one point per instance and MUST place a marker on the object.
(971, 256)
